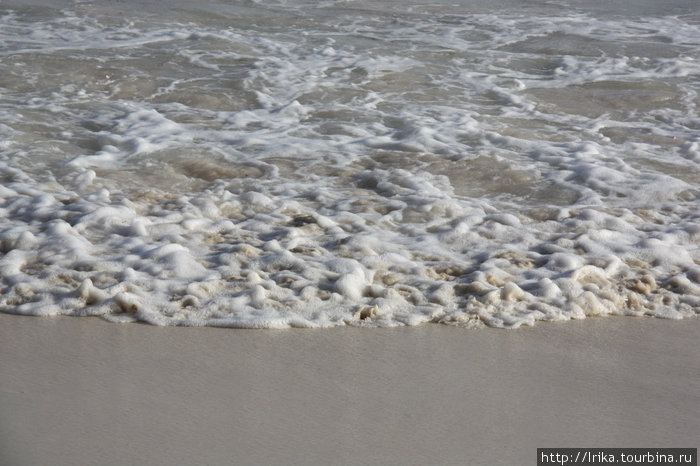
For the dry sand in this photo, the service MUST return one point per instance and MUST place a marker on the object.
(81, 391)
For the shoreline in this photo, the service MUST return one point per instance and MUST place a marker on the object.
(86, 391)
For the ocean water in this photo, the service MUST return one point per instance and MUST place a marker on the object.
(367, 163)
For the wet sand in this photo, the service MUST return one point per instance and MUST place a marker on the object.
(79, 391)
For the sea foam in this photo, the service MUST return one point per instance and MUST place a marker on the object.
(306, 165)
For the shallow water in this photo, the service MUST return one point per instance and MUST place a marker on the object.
(262, 164)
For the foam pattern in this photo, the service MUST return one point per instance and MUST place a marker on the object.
(343, 163)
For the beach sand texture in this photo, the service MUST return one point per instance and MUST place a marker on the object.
(83, 391)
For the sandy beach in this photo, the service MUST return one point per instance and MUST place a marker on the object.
(77, 391)
(296, 164)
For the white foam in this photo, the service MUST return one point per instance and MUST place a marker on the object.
(339, 164)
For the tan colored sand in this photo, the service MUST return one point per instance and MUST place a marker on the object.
(80, 391)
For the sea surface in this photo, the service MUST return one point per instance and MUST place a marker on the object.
(294, 163)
